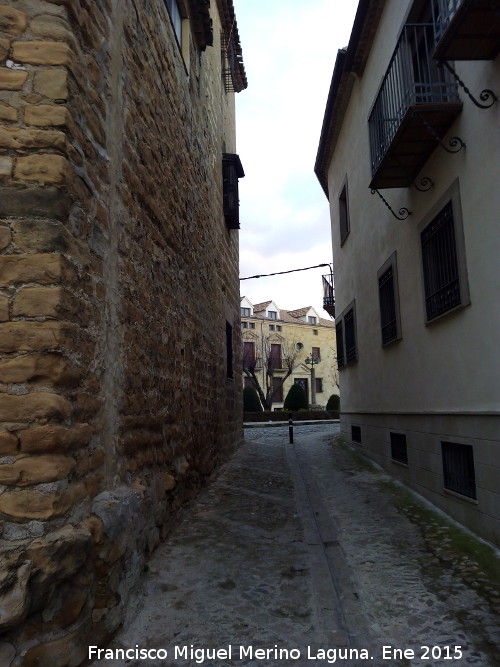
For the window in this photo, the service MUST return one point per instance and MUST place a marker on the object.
(278, 327)
(344, 215)
(272, 314)
(356, 433)
(443, 263)
(251, 325)
(316, 353)
(231, 172)
(275, 356)
(229, 351)
(399, 450)
(304, 384)
(249, 355)
(175, 17)
(315, 332)
(339, 331)
(245, 312)
(351, 354)
(319, 385)
(244, 325)
(311, 319)
(277, 396)
(272, 327)
(389, 301)
(458, 468)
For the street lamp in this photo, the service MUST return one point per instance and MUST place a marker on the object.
(313, 360)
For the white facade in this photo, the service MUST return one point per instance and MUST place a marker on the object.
(438, 380)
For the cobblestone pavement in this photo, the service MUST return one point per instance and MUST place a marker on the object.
(315, 556)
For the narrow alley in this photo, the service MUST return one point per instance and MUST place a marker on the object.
(306, 554)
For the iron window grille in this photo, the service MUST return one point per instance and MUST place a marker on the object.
(339, 331)
(388, 315)
(356, 434)
(440, 264)
(231, 172)
(458, 468)
(350, 337)
(399, 450)
(229, 351)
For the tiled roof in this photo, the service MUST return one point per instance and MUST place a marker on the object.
(300, 312)
(258, 307)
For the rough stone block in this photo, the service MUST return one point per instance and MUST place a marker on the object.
(51, 27)
(8, 444)
(40, 268)
(36, 470)
(4, 308)
(45, 115)
(43, 168)
(21, 138)
(12, 21)
(12, 79)
(34, 504)
(70, 651)
(4, 48)
(8, 113)
(28, 407)
(34, 201)
(6, 164)
(52, 83)
(41, 369)
(34, 336)
(14, 602)
(5, 237)
(43, 302)
(54, 438)
(41, 53)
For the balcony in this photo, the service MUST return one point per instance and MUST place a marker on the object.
(329, 295)
(415, 107)
(467, 30)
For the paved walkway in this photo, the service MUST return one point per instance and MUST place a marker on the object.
(306, 555)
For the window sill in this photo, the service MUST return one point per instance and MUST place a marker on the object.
(400, 463)
(460, 496)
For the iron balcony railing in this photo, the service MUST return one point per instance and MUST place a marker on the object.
(329, 294)
(412, 79)
(446, 10)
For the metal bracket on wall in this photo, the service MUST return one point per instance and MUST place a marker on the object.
(453, 142)
(403, 212)
(485, 95)
(424, 185)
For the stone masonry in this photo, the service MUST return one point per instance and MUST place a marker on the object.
(118, 284)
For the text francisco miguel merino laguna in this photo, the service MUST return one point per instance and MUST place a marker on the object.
(199, 655)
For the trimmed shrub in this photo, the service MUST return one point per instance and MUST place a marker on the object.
(251, 402)
(333, 403)
(296, 399)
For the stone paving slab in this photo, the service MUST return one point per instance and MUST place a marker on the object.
(300, 546)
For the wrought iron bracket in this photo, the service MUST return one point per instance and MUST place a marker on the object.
(485, 95)
(453, 142)
(403, 212)
(425, 184)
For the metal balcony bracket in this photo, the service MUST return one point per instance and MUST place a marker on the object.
(485, 95)
(403, 212)
(453, 142)
(424, 185)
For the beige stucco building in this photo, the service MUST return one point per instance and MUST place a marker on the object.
(411, 167)
(275, 339)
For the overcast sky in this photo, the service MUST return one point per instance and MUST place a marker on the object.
(289, 50)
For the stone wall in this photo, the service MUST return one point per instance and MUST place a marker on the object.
(117, 277)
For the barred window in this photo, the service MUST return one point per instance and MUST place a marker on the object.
(344, 215)
(387, 299)
(458, 468)
(399, 451)
(440, 264)
(339, 330)
(350, 336)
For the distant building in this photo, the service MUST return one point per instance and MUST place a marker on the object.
(411, 166)
(275, 339)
